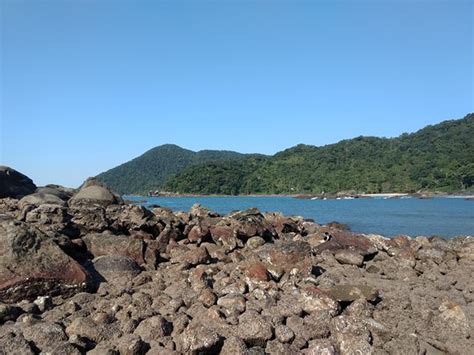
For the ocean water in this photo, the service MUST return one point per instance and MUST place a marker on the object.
(445, 217)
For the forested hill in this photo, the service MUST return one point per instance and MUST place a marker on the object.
(149, 171)
(438, 157)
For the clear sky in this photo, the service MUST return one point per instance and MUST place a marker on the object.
(87, 85)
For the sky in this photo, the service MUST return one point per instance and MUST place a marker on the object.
(87, 85)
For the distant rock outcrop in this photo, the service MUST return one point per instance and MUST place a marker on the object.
(95, 192)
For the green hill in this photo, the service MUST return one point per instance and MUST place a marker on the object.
(439, 157)
(149, 171)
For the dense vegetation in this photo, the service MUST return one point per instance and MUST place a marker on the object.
(438, 157)
(149, 171)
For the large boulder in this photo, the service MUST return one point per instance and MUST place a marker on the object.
(14, 184)
(93, 192)
(41, 198)
(64, 193)
(31, 264)
(99, 244)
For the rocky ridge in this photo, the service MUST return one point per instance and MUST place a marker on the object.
(83, 272)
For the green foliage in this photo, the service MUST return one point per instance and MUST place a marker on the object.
(438, 157)
(149, 171)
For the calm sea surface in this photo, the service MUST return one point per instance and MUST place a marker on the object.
(446, 217)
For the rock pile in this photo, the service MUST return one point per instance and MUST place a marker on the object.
(82, 272)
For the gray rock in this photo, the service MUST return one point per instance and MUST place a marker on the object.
(347, 256)
(233, 304)
(131, 344)
(14, 184)
(233, 346)
(95, 195)
(111, 267)
(40, 198)
(255, 242)
(154, 328)
(9, 312)
(320, 347)
(198, 339)
(44, 303)
(253, 329)
(284, 334)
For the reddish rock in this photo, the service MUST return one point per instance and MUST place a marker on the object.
(257, 272)
(282, 224)
(288, 255)
(225, 236)
(198, 233)
(192, 257)
(346, 240)
(32, 265)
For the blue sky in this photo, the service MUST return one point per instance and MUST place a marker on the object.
(87, 85)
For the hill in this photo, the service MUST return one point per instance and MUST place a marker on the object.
(438, 157)
(149, 171)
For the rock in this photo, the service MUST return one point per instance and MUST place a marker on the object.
(14, 184)
(89, 219)
(288, 255)
(154, 328)
(284, 334)
(112, 267)
(249, 223)
(103, 349)
(314, 300)
(99, 244)
(276, 347)
(346, 240)
(197, 211)
(131, 344)
(253, 329)
(197, 339)
(94, 195)
(45, 336)
(64, 193)
(452, 317)
(198, 233)
(255, 242)
(193, 257)
(233, 346)
(350, 335)
(44, 303)
(33, 265)
(320, 347)
(40, 198)
(15, 344)
(257, 271)
(282, 224)
(347, 256)
(134, 220)
(52, 219)
(84, 327)
(225, 236)
(9, 312)
(349, 293)
(233, 304)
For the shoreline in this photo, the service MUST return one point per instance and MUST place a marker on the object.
(389, 195)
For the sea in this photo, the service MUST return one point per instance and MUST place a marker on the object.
(440, 216)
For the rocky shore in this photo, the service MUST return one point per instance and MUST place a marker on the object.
(83, 272)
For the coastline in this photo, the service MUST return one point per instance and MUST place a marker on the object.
(389, 195)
